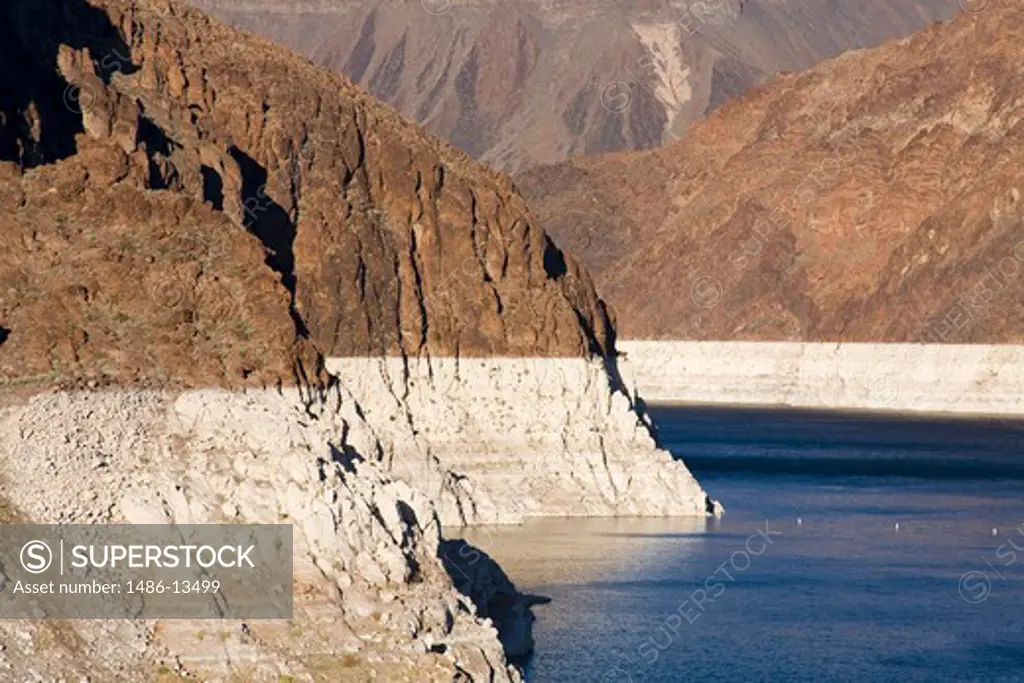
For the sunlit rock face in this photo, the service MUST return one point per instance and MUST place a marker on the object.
(520, 437)
(372, 586)
(873, 198)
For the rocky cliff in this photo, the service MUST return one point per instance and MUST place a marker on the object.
(200, 150)
(198, 227)
(521, 82)
(875, 197)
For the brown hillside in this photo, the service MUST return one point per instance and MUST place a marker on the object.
(875, 197)
(183, 203)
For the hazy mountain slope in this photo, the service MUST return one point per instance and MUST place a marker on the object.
(531, 81)
(874, 197)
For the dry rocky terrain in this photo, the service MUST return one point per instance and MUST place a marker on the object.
(521, 82)
(195, 224)
(875, 197)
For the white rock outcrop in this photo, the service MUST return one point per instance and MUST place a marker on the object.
(366, 473)
(934, 378)
(495, 440)
(372, 597)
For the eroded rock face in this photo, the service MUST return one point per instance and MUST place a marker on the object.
(228, 191)
(517, 83)
(187, 207)
(498, 440)
(875, 197)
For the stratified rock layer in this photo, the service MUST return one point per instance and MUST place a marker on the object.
(978, 379)
(874, 198)
(496, 440)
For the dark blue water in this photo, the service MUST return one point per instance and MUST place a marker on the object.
(841, 596)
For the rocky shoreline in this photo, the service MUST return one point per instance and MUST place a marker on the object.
(372, 585)
(976, 379)
(368, 476)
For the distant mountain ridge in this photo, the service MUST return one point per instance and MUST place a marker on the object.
(524, 82)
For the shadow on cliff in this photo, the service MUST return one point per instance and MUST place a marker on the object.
(596, 323)
(41, 117)
(618, 384)
(272, 225)
(40, 111)
(477, 576)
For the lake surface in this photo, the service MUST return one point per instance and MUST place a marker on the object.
(806, 578)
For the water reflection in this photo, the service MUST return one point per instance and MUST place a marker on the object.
(550, 552)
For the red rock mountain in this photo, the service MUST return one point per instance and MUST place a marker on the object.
(521, 82)
(189, 205)
(875, 197)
